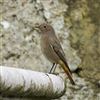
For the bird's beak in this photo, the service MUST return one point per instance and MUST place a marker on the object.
(36, 27)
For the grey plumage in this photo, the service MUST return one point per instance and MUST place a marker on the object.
(52, 49)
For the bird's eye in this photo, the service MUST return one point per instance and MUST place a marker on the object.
(44, 26)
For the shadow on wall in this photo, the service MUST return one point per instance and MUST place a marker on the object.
(84, 20)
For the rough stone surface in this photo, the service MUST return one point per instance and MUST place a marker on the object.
(77, 25)
(85, 36)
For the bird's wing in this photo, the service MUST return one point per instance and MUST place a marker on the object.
(55, 44)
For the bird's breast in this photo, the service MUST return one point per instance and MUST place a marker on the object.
(48, 50)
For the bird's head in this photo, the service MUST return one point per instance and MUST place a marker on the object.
(45, 28)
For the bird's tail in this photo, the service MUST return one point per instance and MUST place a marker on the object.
(67, 71)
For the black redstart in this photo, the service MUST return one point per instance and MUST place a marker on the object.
(52, 49)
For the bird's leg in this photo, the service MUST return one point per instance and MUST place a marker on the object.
(53, 68)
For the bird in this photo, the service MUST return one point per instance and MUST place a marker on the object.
(52, 49)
